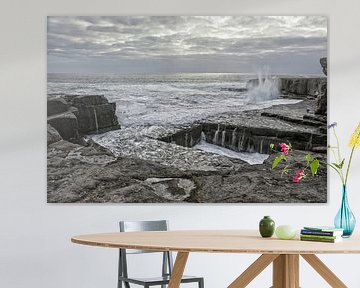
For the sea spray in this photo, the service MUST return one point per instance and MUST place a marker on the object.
(223, 137)
(266, 88)
(216, 136)
(96, 121)
(203, 137)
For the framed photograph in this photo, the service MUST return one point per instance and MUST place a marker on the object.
(187, 109)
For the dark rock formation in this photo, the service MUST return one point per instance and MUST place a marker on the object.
(56, 106)
(321, 105)
(232, 89)
(94, 113)
(89, 174)
(185, 137)
(323, 63)
(306, 120)
(255, 184)
(67, 126)
(254, 131)
(298, 86)
(316, 118)
(76, 115)
(52, 135)
(302, 86)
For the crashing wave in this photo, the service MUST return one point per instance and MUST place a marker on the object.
(265, 88)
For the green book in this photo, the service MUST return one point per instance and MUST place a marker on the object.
(323, 228)
(319, 236)
(324, 240)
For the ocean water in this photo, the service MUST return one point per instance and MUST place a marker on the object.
(164, 99)
(161, 100)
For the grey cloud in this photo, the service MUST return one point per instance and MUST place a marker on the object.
(105, 29)
(90, 44)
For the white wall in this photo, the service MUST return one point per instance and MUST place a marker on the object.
(35, 248)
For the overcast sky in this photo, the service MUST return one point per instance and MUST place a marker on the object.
(121, 44)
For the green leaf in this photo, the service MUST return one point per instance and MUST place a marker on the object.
(277, 161)
(272, 146)
(342, 163)
(285, 170)
(339, 166)
(307, 157)
(314, 167)
(334, 167)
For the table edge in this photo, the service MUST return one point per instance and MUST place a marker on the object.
(203, 250)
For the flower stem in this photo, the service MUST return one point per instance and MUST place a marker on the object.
(338, 146)
(334, 154)
(348, 167)
(339, 160)
(351, 156)
(337, 171)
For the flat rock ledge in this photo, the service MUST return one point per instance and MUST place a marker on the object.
(78, 174)
(140, 165)
(74, 116)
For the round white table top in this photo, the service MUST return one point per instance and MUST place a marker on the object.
(217, 241)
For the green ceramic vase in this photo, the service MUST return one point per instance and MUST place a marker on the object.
(267, 227)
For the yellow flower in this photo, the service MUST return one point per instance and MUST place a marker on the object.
(355, 138)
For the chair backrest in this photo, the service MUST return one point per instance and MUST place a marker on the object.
(134, 226)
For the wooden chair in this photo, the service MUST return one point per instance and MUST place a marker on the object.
(167, 262)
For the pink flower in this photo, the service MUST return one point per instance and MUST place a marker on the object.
(299, 174)
(284, 148)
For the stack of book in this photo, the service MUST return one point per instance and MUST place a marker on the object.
(321, 234)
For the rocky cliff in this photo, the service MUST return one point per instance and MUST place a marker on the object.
(74, 116)
(321, 105)
(310, 87)
(323, 63)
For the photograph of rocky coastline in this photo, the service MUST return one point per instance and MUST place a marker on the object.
(173, 109)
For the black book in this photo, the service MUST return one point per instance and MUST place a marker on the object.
(321, 233)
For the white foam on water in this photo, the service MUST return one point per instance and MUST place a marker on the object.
(169, 99)
(266, 89)
(251, 158)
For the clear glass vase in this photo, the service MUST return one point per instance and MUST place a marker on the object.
(345, 219)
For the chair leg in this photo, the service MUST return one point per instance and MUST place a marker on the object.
(164, 266)
(201, 283)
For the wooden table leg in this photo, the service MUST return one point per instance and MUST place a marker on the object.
(286, 271)
(324, 271)
(178, 269)
(293, 261)
(253, 270)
